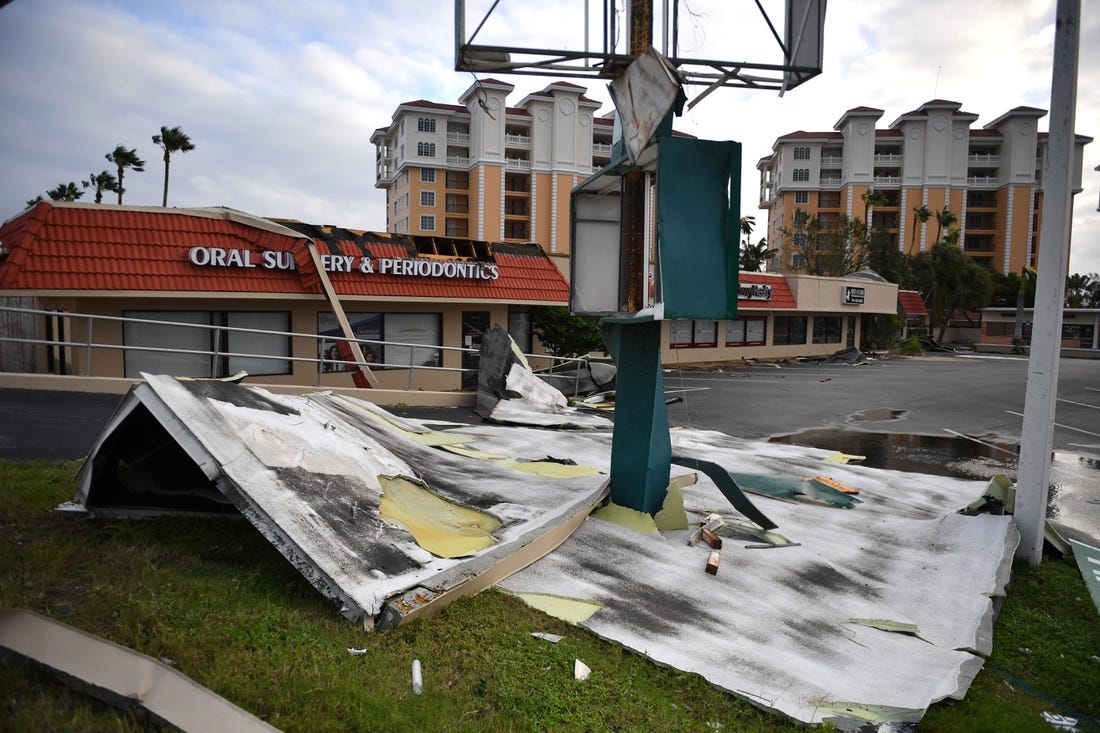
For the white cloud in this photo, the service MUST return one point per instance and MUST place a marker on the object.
(281, 97)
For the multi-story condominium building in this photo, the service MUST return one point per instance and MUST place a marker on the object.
(991, 178)
(484, 170)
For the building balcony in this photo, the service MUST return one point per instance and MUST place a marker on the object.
(983, 159)
(831, 182)
(457, 160)
(887, 159)
(458, 137)
(517, 141)
(517, 164)
(832, 161)
(601, 150)
(983, 181)
(887, 180)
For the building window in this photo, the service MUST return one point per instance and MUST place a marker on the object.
(802, 197)
(427, 198)
(393, 340)
(798, 262)
(801, 153)
(425, 124)
(801, 217)
(746, 331)
(692, 334)
(427, 150)
(787, 330)
(801, 174)
(427, 223)
(226, 341)
(826, 329)
(427, 175)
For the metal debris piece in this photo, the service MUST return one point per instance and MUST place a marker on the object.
(546, 636)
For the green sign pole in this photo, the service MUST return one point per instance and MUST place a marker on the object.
(641, 449)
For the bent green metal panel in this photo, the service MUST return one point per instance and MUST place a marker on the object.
(698, 223)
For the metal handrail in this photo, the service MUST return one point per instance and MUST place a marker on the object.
(89, 344)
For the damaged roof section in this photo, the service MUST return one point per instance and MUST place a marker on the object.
(366, 506)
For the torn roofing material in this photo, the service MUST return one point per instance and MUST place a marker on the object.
(778, 627)
(308, 472)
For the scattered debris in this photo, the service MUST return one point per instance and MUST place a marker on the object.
(846, 458)
(712, 562)
(580, 670)
(121, 677)
(1061, 722)
(1088, 562)
(834, 484)
(571, 610)
(417, 679)
(672, 515)
(357, 652)
(725, 482)
(793, 489)
(711, 539)
(545, 636)
(885, 624)
(627, 517)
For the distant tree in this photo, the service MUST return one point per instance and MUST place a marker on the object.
(946, 219)
(65, 192)
(102, 181)
(920, 214)
(172, 140)
(1077, 287)
(832, 251)
(871, 198)
(123, 159)
(1028, 279)
(754, 257)
(35, 200)
(562, 334)
(1092, 291)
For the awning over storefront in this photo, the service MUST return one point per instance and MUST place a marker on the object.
(84, 248)
(763, 291)
(910, 304)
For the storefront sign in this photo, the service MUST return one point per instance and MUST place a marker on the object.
(401, 266)
(749, 291)
(854, 296)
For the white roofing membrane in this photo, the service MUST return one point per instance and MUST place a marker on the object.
(777, 626)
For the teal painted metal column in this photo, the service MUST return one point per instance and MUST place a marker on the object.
(641, 449)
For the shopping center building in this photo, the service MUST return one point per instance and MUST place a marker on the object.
(210, 292)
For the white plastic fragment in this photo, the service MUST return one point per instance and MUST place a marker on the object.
(1061, 722)
(552, 638)
(418, 681)
(356, 652)
(580, 670)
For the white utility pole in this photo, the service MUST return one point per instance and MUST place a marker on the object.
(1046, 334)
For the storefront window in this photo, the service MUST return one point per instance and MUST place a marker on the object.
(789, 330)
(826, 329)
(412, 336)
(201, 346)
(746, 331)
(692, 334)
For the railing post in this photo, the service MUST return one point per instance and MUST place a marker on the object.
(88, 349)
(412, 351)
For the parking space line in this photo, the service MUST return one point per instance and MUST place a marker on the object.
(957, 434)
(1079, 404)
(1060, 425)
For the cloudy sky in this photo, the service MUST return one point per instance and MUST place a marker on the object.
(280, 96)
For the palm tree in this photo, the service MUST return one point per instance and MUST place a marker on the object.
(922, 214)
(1028, 280)
(1077, 287)
(946, 219)
(871, 198)
(35, 200)
(754, 257)
(124, 159)
(171, 140)
(102, 181)
(65, 192)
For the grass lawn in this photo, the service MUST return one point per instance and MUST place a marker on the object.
(216, 599)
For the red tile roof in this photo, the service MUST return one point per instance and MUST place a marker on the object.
(782, 297)
(911, 303)
(103, 249)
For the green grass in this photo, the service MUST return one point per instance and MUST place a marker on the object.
(218, 601)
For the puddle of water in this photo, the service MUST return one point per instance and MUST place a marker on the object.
(878, 414)
(1074, 492)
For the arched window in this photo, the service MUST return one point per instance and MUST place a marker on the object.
(425, 150)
